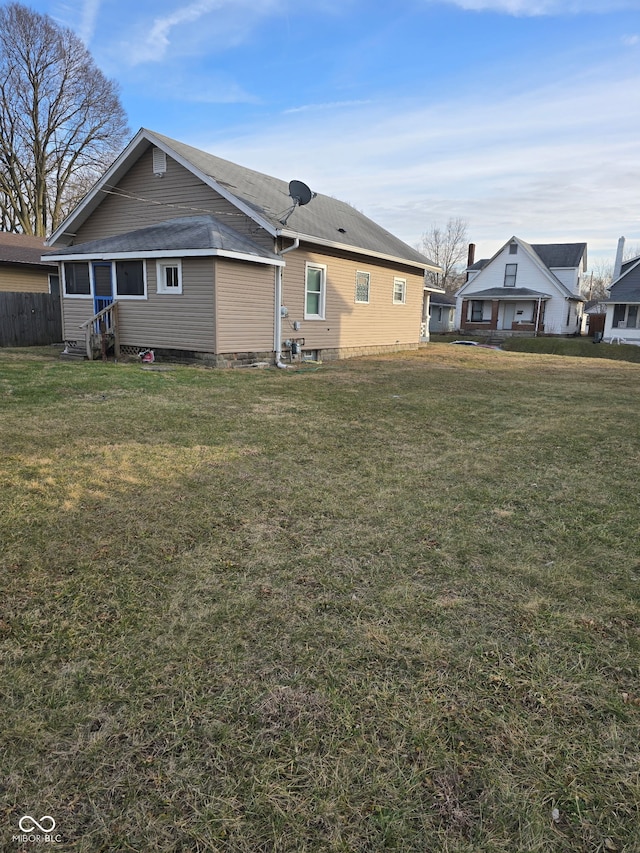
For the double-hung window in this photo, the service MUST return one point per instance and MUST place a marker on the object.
(510, 272)
(315, 291)
(169, 276)
(363, 283)
(399, 291)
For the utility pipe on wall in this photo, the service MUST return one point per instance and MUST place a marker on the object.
(278, 306)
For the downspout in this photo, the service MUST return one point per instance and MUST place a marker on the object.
(278, 305)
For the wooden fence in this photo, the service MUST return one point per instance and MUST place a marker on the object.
(30, 319)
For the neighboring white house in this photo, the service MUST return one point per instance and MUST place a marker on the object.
(442, 311)
(622, 322)
(533, 289)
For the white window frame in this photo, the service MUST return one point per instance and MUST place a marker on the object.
(361, 284)
(114, 278)
(64, 282)
(618, 323)
(161, 279)
(323, 290)
(510, 274)
(399, 291)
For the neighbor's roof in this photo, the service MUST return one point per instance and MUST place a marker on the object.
(324, 221)
(442, 299)
(183, 235)
(561, 255)
(627, 287)
(509, 293)
(21, 249)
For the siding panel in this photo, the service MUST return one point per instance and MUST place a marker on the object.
(173, 321)
(347, 323)
(245, 306)
(17, 280)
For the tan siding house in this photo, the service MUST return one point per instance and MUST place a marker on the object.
(203, 256)
(21, 267)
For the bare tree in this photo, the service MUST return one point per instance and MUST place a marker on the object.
(61, 121)
(448, 248)
(598, 279)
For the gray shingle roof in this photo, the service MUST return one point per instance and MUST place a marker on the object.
(442, 299)
(560, 255)
(180, 234)
(627, 287)
(508, 293)
(324, 218)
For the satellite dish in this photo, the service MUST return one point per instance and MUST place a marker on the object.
(300, 195)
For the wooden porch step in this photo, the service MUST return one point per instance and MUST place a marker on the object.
(73, 353)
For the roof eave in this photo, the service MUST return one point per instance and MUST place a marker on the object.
(172, 253)
(345, 247)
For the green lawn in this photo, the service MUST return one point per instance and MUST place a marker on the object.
(387, 604)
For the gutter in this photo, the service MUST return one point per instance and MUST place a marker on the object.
(358, 250)
(278, 306)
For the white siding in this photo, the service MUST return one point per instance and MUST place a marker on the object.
(529, 275)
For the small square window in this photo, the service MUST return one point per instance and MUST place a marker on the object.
(399, 291)
(169, 276)
(513, 248)
(363, 281)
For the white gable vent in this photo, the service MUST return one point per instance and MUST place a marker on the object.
(159, 162)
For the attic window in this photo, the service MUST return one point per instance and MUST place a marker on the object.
(159, 161)
(513, 248)
(510, 273)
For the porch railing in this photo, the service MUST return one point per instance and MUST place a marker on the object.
(101, 330)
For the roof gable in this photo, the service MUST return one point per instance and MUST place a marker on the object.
(324, 221)
(626, 288)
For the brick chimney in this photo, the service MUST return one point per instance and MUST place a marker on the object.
(472, 254)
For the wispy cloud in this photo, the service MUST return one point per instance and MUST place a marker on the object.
(88, 20)
(81, 17)
(202, 26)
(333, 105)
(631, 40)
(549, 176)
(154, 46)
(534, 8)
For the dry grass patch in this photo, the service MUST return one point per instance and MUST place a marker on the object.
(387, 605)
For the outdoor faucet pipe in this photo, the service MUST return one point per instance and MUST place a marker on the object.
(278, 307)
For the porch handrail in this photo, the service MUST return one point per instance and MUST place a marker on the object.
(103, 323)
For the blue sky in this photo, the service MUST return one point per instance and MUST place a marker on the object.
(520, 116)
